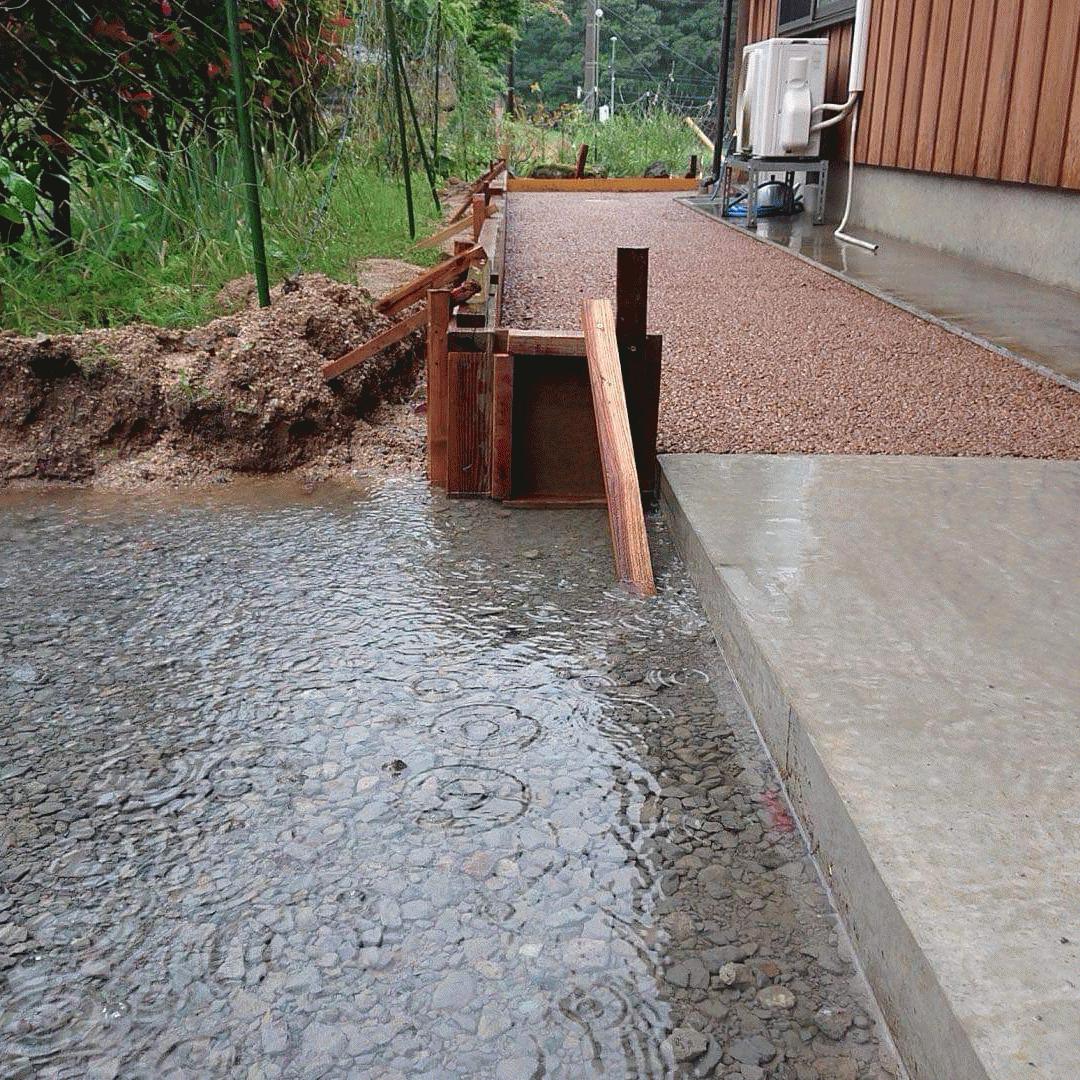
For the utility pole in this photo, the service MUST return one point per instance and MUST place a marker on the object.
(722, 91)
(590, 59)
(247, 154)
(611, 98)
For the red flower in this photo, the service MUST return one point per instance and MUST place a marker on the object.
(267, 101)
(112, 31)
(166, 9)
(136, 95)
(274, 5)
(167, 40)
(56, 144)
(213, 70)
(245, 26)
(141, 111)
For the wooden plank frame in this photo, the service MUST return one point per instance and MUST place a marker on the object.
(619, 184)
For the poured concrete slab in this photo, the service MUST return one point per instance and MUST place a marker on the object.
(907, 634)
(1035, 323)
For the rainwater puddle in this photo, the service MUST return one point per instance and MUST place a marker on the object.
(376, 785)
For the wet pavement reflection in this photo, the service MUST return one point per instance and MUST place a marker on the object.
(372, 784)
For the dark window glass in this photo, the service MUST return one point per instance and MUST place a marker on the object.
(833, 9)
(794, 11)
(806, 14)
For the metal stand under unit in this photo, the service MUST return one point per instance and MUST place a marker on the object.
(757, 166)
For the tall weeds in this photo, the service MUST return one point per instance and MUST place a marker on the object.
(157, 246)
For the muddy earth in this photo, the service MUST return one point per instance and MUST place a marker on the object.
(347, 785)
(139, 405)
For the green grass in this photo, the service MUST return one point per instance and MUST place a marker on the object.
(626, 145)
(157, 249)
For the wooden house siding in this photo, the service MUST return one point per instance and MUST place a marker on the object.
(985, 88)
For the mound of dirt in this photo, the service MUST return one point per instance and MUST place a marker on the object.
(244, 394)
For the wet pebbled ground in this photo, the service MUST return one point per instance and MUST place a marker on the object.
(354, 785)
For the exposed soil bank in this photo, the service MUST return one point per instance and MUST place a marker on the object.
(140, 404)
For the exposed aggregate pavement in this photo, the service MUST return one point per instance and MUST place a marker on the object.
(763, 353)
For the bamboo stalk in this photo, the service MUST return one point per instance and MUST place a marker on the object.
(391, 44)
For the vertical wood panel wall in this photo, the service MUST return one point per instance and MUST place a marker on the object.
(986, 88)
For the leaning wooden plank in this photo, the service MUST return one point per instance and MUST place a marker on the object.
(610, 184)
(376, 345)
(438, 316)
(628, 537)
(476, 186)
(705, 140)
(448, 232)
(408, 294)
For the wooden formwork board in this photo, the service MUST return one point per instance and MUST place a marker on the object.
(545, 449)
(622, 184)
(468, 437)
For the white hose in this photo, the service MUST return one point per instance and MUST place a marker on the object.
(839, 233)
(840, 110)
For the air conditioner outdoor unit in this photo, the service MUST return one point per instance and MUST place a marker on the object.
(783, 81)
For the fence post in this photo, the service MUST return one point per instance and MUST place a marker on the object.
(247, 154)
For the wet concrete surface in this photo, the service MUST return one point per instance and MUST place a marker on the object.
(1036, 323)
(378, 785)
(906, 631)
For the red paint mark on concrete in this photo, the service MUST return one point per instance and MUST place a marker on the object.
(779, 815)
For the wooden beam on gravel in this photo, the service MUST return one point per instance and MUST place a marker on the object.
(381, 341)
(609, 184)
(630, 542)
(446, 271)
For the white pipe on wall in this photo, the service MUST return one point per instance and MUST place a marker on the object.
(860, 40)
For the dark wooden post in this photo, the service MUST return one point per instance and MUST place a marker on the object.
(640, 366)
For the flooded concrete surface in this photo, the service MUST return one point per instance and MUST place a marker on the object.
(1035, 323)
(376, 785)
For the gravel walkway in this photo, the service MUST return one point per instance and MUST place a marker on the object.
(763, 353)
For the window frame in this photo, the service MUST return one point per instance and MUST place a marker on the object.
(844, 11)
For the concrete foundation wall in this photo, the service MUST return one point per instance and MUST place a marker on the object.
(1027, 230)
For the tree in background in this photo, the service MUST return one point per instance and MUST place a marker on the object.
(666, 52)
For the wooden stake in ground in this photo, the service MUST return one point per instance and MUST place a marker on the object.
(582, 157)
(629, 540)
